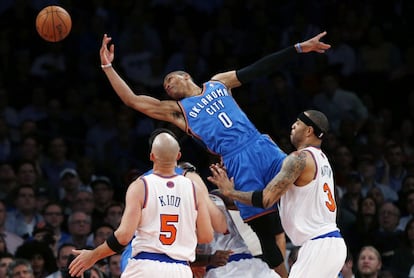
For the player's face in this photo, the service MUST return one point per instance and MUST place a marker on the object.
(174, 85)
(297, 132)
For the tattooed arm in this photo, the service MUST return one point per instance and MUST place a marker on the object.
(292, 169)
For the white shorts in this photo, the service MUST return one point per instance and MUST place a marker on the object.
(246, 268)
(152, 269)
(323, 257)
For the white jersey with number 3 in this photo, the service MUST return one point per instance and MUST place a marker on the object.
(169, 214)
(310, 211)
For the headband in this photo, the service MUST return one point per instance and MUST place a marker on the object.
(316, 129)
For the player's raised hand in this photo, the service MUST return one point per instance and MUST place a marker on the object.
(315, 44)
(106, 53)
(220, 179)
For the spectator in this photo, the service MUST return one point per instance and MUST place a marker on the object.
(101, 132)
(8, 112)
(70, 184)
(387, 238)
(348, 268)
(24, 217)
(103, 193)
(20, 268)
(12, 239)
(7, 179)
(114, 263)
(113, 214)
(367, 170)
(408, 208)
(394, 170)
(27, 174)
(341, 54)
(62, 259)
(362, 230)
(352, 196)
(3, 245)
(79, 226)
(40, 256)
(5, 260)
(86, 169)
(84, 201)
(369, 262)
(376, 194)
(53, 216)
(339, 104)
(101, 233)
(57, 160)
(406, 186)
(343, 164)
(6, 143)
(403, 259)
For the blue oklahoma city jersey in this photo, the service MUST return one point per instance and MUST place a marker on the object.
(215, 118)
(252, 158)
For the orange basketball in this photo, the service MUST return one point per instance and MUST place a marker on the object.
(53, 23)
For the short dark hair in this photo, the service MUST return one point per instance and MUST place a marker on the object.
(319, 119)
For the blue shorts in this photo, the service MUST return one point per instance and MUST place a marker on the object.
(252, 167)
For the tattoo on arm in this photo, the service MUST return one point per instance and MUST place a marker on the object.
(292, 167)
(242, 197)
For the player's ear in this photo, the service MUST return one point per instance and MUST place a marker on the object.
(178, 156)
(152, 156)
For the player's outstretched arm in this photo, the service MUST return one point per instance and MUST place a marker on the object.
(217, 217)
(292, 167)
(152, 107)
(85, 259)
(271, 62)
(205, 231)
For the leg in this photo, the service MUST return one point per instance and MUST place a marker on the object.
(266, 228)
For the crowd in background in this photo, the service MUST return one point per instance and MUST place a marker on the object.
(67, 141)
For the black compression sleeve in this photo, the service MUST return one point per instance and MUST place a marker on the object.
(257, 199)
(266, 65)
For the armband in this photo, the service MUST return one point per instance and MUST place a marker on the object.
(114, 244)
(298, 48)
(257, 198)
(106, 66)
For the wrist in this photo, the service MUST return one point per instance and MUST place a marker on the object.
(298, 48)
(105, 66)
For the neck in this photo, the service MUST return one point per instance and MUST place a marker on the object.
(164, 169)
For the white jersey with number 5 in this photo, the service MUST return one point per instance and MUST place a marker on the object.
(310, 211)
(169, 214)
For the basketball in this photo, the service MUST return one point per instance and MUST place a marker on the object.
(53, 23)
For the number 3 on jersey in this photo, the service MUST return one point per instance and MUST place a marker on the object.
(330, 204)
(168, 230)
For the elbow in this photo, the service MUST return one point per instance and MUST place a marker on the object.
(205, 238)
(221, 225)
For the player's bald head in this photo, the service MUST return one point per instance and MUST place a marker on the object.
(165, 147)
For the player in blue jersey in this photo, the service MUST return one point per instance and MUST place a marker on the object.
(210, 114)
